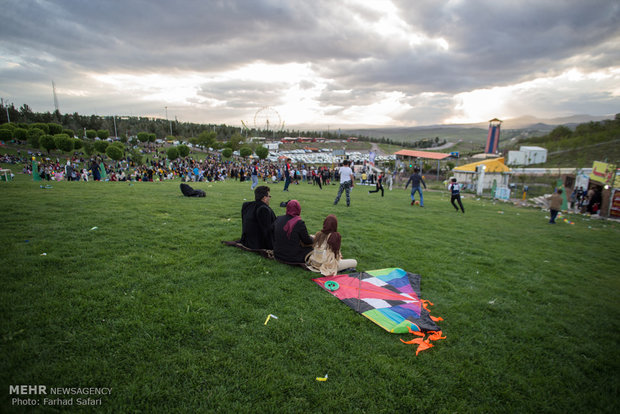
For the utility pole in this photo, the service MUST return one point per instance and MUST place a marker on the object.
(115, 133)
(169, 122)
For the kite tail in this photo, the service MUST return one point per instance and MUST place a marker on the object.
(422, 342)
(425, 304)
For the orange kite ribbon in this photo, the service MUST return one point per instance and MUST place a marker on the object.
(423, 344)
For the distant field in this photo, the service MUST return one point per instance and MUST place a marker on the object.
(476, 135)
(127, 286)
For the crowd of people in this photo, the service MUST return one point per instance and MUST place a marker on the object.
(586, 201)
(157, 168)
(288, 236)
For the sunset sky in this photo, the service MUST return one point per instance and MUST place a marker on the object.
(342, 63)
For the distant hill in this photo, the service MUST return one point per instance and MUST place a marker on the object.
(476, 133)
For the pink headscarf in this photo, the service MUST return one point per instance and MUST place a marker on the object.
(292, 209)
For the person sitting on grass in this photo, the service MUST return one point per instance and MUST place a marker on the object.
(257, 218)
(291, 242)
(326, 257)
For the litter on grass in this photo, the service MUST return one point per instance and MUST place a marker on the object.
(322, 379)
(43, 254)
(95, 228)
(269, 317)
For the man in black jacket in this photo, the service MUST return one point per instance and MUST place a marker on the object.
(257, 218)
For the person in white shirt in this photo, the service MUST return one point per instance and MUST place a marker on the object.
(346, 182)
(455, 192)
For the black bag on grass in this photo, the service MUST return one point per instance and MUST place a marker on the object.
(190, 192)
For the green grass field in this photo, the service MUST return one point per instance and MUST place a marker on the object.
(152, 305)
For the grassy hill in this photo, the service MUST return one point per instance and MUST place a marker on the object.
(588, 142)
(127, 286)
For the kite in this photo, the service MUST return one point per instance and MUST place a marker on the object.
(391, 299)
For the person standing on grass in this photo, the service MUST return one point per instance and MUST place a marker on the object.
(415, 181)
(346, 182)
(256, 220)
(455, 191)
(94, 167)
(254, 175)
(287, 174)
(378, 185)
(555, 205)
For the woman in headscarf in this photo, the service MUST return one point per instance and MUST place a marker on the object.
(291, 241)
(326, 257)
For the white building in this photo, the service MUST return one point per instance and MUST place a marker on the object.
(527, 156)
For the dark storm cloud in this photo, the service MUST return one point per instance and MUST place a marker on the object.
(490, 43)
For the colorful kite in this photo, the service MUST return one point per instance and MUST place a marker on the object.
(390, 298)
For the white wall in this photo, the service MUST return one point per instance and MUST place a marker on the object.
(527, 156)
(516, 158)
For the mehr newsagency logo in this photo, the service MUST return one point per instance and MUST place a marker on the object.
(42, 395)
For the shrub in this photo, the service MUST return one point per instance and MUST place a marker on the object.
(103, 133)
(34, 134)
(227, 152)
(118, 144)
(69, 132)
(114, 152)
(245, 151)
(100, 146)
(63, 142)
(183, 150)
(47, 142)
(54, 128)
(42, 126)
(143, 136)
(172, 153)
(262, 152)
(77, 143)
(20, 134)
(91, 134)
(89, 147)
(6, 134)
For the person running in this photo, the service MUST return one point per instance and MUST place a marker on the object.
(379, 185)
(346, 182)
(455, 191)
(415, 181)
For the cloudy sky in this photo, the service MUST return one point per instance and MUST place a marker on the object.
(313, 62)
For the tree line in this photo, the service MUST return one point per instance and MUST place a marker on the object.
(127, 127)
